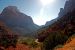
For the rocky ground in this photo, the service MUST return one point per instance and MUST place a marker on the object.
(68, 46)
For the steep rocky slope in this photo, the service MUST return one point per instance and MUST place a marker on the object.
(59, 32)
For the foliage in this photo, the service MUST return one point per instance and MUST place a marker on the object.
(53, 40)
(6, 42)
(28, 41)
(7, 37)
(58, 46)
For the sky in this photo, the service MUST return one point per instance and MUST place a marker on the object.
(40, 11)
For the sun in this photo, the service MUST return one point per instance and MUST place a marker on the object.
(46, 2)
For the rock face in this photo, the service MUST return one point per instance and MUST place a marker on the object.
(69, 7)
(17, 21)
(61, 13)
(50, 22)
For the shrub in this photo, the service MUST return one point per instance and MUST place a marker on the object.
(6, 42)
(53, 40)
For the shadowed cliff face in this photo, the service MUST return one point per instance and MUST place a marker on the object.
(12, 13)
(17, 21)
(69, 7)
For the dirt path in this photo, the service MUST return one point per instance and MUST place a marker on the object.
(22, 47)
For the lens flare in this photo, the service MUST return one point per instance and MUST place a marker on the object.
(46, 2)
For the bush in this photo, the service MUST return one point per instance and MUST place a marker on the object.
(28, 41)
(53, 40)
(6, 42)
(58, 46)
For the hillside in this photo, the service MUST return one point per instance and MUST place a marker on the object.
(12, 41)
(17, 21)
(7, 36)
(70, 45)
(59, 31)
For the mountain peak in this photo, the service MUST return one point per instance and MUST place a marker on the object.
(10, 9)
(17, 21)
(14, 8)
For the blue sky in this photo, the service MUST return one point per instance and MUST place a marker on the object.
(33, 7)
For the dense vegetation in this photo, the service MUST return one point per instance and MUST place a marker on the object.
(28, 41)
(7, 37)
